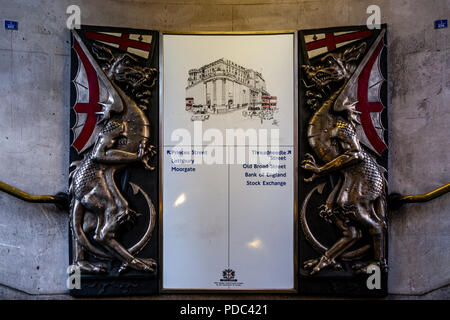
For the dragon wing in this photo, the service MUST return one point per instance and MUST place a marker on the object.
(364, 87)
(95, 100)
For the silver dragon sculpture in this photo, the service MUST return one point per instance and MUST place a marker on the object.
(122, 137)
(357, 202)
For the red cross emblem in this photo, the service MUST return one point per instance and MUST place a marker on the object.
(366, 107)
(90, 107)
(123, 41)
(331, 40)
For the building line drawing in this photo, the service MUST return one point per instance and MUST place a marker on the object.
(223, 85)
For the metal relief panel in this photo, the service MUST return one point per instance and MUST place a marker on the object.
(343, 161)
(114, 167)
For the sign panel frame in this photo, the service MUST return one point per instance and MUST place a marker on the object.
(294, 177)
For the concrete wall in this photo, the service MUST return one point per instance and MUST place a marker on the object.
(34, 126)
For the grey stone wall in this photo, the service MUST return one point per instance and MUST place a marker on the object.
(34, 126)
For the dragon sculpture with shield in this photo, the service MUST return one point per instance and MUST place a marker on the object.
(346, 136)
(111, 132)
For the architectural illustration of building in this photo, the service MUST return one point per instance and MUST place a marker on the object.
(222, 85)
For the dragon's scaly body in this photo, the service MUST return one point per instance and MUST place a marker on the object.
(325, 129)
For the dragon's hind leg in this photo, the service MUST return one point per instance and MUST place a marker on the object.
(105, 235)
(78, 251)
(378, 210)
(350, 236)
(377, 230)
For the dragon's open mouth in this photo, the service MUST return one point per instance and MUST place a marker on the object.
(322, 77)
(130, 76)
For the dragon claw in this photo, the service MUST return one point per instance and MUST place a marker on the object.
(310, 263)
(360, 268)
(315, 265)
(91, 268)
(310, 157)
(326, 212)
(147, 265)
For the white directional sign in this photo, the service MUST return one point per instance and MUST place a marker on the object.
(228, 187)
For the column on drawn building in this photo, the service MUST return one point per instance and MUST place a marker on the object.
(214, 91)
(209, 92)
(218, 92)
(230, 93)
(241, 94)
(237, 94)
(222, 94)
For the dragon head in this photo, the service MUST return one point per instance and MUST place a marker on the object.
(333, 67)
(128, 73)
